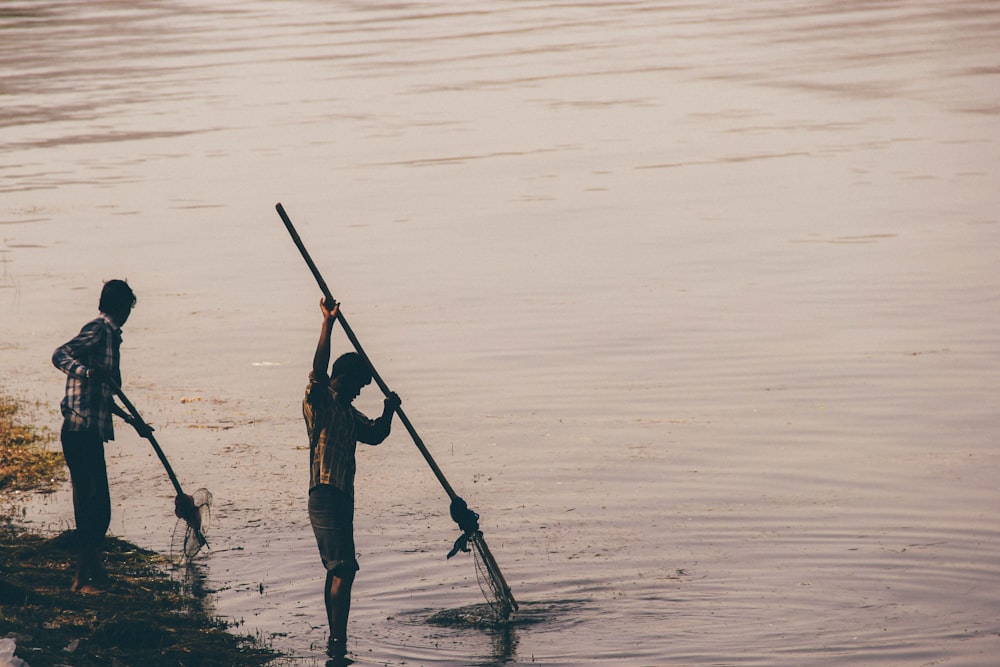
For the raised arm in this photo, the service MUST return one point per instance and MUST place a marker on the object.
(321, 360)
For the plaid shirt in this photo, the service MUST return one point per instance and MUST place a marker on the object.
(334, 432)
(87, 405)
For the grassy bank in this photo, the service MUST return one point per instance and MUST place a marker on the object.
(26, 461)
(144, 618)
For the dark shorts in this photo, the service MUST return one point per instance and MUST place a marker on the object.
(331, 513)
(84, 452)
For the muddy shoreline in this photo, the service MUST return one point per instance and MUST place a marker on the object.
(149, 615)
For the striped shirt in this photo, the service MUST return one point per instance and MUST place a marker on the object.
(87, 404)
(334, 432)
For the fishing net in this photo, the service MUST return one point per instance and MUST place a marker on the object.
(491, 581)
(193, 514)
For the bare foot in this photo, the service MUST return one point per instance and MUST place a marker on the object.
(336, 648)
(89, 589)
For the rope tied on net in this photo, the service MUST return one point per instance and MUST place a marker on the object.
(468, 522)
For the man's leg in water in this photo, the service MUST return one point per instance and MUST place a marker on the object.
(338, 607)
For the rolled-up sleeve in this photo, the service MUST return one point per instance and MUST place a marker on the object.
(73, 357)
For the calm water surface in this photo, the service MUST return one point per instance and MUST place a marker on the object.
(695, 302)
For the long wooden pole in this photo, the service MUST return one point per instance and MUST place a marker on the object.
(145, 431)
(357, 346)
(467, 520)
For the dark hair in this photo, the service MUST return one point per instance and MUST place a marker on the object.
(353, 364)
(116, 296)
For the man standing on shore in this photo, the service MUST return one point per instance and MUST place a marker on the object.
(335, 427)
(89, 359)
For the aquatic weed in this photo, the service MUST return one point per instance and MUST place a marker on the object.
(25, 462)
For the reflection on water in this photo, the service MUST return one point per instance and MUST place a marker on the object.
(694, 302)
(194, 579)
(503, 634)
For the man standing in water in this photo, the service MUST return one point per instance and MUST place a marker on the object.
(89, 359)
(335, 427)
